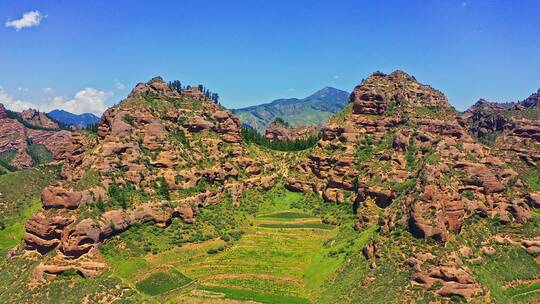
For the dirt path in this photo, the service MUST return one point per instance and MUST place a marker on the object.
(515, 283)
(255, 276)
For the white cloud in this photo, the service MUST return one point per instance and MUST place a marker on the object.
(89, 100)
(48, 90)
(14, 104)
(22, 89)
(28, 19)
(119, 85)
(292, 89)
(336, 76)
(464, 4)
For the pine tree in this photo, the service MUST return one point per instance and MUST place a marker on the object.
(175, 84)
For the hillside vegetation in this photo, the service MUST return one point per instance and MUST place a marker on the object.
(170, 200)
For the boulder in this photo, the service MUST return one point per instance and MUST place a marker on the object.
(532, 246)
(79, 238)
(534, 200)
(60, 198)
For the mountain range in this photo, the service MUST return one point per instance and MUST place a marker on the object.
(70, 119)
(309, 111)
(400, 199)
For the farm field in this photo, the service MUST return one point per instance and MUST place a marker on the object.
(273, 261)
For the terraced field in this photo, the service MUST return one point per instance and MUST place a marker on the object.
(273, 262)
(270, 259)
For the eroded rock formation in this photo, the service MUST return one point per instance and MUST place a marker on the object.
(405, 158)
(280, 130)
(16, 137)
(155, 139)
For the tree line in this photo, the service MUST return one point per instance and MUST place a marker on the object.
(250, 135)
(177, 85)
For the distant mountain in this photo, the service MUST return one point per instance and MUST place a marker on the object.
(312, 110)
(71, 119)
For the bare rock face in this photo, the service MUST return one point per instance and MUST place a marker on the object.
(15, 137)
(280, 130)
(532, 246)
(513, 129)
(227, 125)
(3, 113)
(427, 215)
(39, 119)
(449, 278)
(60, 198)
(404, 142)
(380, 92)
(43, 233)
(54, 141)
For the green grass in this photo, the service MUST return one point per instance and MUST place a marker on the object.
(438, 112)
(265, 265)
(298, 225)
(19, 200)
(16, 273)
(524, 289)
(533, 180)
(288, 215)
(511, 264)
(14, 230)
(250, 295)
(162, 282)
(40, 154)
(5, 160)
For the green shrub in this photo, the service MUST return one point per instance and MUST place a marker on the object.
(128, 119)
(252, 136)
(162, 282)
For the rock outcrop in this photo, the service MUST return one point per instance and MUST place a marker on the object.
(156, 139)
(280, 130)
(513, 129)
(404, 157)
(38, 119)
(16, 138)
(450, 278)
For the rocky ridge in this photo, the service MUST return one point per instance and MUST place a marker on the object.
(31, 127)
(512, 128)
(279, 130)
(406, 159)
(155, 139)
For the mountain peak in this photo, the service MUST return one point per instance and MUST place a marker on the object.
(320, 106)
(378, 91)
(325, 93)
(70, 119)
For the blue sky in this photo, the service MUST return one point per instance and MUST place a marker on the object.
(85, 55)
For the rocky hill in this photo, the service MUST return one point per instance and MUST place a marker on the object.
(511, 128)
(400, 154)
(29, 138)
(310, 111)
(281, 130)
(157, 155)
